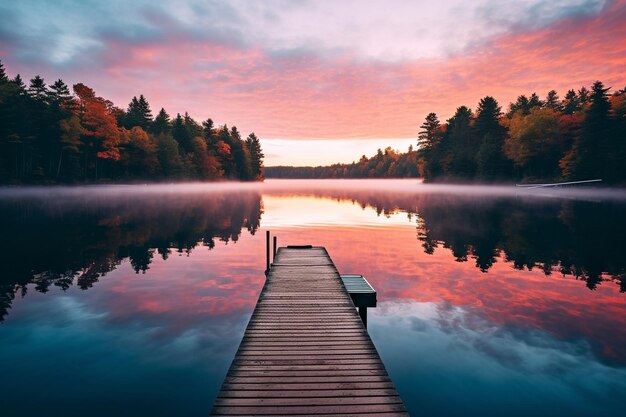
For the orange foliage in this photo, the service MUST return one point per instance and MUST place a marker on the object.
(98, 123)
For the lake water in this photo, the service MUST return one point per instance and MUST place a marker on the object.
(493, 301)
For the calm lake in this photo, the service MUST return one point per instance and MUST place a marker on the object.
(132, 300)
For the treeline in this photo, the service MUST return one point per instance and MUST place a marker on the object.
(385, 164)
(49, 135)
(580, 137)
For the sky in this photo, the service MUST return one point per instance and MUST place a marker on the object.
(319, 81)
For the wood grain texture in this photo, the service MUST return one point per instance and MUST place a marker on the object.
(305, 350)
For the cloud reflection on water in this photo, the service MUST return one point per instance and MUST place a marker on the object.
(467, 310)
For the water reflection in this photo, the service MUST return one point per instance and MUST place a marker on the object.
(575, 237)
(70, 238)
(485, 297)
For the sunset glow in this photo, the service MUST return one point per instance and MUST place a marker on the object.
(318, 70)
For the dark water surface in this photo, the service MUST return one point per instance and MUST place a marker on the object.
(131, 301)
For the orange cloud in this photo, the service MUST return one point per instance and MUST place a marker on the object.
(301, 95)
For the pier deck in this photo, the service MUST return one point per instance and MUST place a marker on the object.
(305, 350)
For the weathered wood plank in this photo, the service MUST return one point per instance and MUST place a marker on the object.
(299, 367)
(305, 350)
(310, 409)
(323, 372)
(303, 379)
(312, 401)
(308, 386)
(308, 393)
(384, 414)
(317, 361)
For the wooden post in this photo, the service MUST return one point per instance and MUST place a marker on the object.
(267, 253)
(363, 315)
(275, 249)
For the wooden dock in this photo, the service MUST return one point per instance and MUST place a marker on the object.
(305, 350)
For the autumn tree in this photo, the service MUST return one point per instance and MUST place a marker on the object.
(534, 143)
(102, 136)
(206, 165)
(224, 152)
(140, 156)
(49, 135)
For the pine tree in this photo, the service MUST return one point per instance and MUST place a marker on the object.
(59, 94)
(19, 85)
(488, 118)
(240, 154)
(590, 156)
(146, 113)
(37, 89)
(491, 162)
(570, 103)
(3, 75)
(208, 132)
(179, 133)
(427, 137)
(256, 156)
(534, 101)
(552, 101)
(521, 104)
(192, 127)
(583, 96)
(462, 148)
(161, 123)
(138, 113)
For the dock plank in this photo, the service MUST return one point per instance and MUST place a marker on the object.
(305, 350)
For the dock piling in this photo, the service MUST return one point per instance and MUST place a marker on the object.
(267, 253)
(275, 248)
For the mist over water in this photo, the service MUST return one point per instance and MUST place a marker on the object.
(278, 186)
(492, 299)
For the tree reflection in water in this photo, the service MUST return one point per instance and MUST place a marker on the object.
(75, 239)
(575, 237)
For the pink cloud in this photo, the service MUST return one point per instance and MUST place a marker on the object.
(298, 94)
